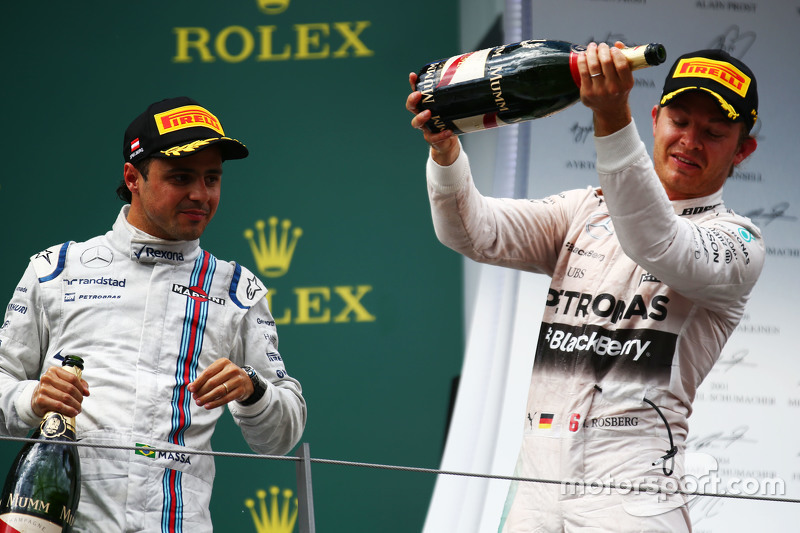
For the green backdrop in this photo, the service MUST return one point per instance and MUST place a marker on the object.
(368, 304)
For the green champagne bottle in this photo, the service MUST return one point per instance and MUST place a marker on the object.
(42, 489)
(509, 84)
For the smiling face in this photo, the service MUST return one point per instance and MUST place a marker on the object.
(695, 145)
(178, 197)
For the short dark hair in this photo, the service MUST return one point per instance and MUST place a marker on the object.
(123, 192)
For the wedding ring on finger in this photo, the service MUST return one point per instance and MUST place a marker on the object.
(595, 75)
(226, 388)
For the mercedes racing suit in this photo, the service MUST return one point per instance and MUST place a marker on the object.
(644, 294)
(147, 316)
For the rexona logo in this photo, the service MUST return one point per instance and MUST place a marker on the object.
(234, 44)
(273, 253)
(273, 521)
(150, 253)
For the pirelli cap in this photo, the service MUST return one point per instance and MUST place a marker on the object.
(723, 76)
(177, 127)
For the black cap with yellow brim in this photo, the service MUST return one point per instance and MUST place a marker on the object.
(177, 127)
(716, 72)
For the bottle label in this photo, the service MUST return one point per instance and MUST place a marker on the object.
(466, 67)
(455, 70)
(25, 523)
(497, 86)
(484, 66)
(478, 122)
(56, 425)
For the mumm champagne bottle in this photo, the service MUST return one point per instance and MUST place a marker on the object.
(42, 488)
(510, 83)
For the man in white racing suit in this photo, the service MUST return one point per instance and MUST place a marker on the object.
(168, 334)
(650, 276)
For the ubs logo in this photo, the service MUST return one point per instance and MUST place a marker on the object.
(599, 226)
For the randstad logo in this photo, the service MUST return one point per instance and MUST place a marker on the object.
(273, 251)
(276, 521)
(273, 257)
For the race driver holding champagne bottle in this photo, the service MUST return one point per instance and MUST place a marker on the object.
(622, 349)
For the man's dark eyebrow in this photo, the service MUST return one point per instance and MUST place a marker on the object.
(217, 171)
(717, 119)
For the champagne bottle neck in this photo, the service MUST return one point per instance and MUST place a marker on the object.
(643, 56)
(74, 364)
(638, 57)
(55, 425)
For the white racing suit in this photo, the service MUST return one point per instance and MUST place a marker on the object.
(644, 294)
(147, 316)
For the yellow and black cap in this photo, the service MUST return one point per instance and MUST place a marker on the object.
(723, 76)
(177, 127)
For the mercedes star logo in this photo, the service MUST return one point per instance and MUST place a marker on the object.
(97, 257)
(599, 226)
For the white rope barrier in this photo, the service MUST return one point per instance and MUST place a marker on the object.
(379, 466)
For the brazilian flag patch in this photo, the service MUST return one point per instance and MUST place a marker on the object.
(146, 453)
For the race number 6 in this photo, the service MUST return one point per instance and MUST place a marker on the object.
(574, 422)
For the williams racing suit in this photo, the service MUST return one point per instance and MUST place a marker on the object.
(147, 316)
(644, 294)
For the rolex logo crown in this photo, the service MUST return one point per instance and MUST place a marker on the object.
(281, 516)
(273, 7)
(273, 254)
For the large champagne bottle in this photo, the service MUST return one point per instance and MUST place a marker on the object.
(42, 488)
(510, 83)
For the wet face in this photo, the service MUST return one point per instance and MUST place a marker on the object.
(696, 146)
(178, 197)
